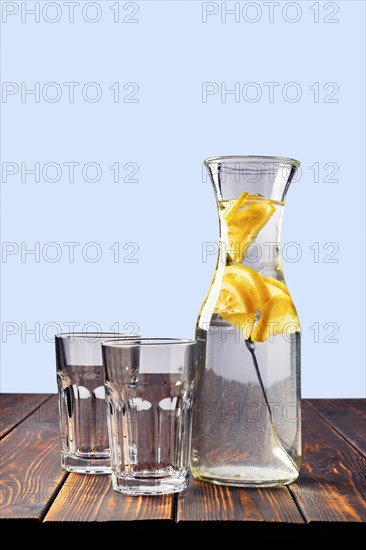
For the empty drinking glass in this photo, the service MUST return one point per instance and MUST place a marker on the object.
(83, 420)
(149, 390)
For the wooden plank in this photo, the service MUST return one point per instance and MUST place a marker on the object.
(330, 488)
(30, 464)
(332, 480)
(347, 416)
(90, 498)
(14, 407)
(208, 502)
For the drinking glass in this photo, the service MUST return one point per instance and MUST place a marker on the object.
(83, 420)
(149, 391)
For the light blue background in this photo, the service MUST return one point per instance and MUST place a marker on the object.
(171, 210)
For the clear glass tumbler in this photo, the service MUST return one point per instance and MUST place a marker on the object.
(149, 390)
(83, 419)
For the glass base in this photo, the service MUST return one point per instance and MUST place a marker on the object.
(75, 464)
(246, 476)
(134, 485)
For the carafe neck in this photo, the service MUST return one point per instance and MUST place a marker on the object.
(253, 243)
(251, 193)
(269, 177)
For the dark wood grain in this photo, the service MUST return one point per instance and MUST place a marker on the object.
(347, 416)
(91, 498)
(207, 502)
(15, 407)
(30, 465)
(331, 486)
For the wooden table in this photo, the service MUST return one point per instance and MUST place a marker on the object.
(41, 498)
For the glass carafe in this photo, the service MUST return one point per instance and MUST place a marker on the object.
(246, 420)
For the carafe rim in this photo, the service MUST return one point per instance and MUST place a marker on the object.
(252, 158)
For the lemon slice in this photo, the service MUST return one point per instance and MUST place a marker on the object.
(234, 299)
(248, 280)
(236, 306)
(279, 316)
(274, 286)
(245, 293)
(243, 322)
(230, 213)
(242, 294)
(244, 219)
